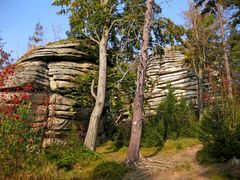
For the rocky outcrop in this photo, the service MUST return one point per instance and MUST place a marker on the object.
(166, 70)
(50, 70)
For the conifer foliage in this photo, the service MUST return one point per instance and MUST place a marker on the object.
(37, 38)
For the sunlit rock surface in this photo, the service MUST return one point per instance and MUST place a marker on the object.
(166, 70)
(51, 70)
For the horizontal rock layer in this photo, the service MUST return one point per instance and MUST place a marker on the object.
(50, 70)
(166, 70)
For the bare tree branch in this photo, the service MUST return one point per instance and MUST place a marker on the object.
(96, 41)
(92, 90)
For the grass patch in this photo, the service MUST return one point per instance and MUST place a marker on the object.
(184, 167)
(149, 151)
(179, 144)
(110, 170)
(170, 146)
(109, 152)
(105, 148)
(66, 157)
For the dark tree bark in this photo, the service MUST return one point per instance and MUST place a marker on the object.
(134, 145)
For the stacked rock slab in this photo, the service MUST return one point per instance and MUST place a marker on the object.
(50, 70)
(165, 70)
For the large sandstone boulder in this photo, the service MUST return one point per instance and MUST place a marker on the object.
(165, 70)
(51, 70)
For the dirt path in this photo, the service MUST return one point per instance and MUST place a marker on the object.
(180, 166)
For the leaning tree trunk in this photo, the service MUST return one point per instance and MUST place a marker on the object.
(134, 145)
(225, 55)
(90, 140)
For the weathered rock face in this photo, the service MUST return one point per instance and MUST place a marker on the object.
(50, 70)
(165, 70)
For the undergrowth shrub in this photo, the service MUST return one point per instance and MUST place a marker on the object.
(19, 142)
(20, 137)
(206, 155)
(152, 134)
(110, 170)
(220, 131)
(66, 155)
(175, 118)
(122, 135)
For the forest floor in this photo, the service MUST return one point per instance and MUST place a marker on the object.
(175, 160)
(180, 165)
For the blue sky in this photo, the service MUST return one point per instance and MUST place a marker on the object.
(18, 17)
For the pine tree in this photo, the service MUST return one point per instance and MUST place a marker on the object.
(216, 7)
(5, 59)
(134, 144)
(200, 47)
(37, 38)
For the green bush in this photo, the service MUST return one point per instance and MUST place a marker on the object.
(220, 130)
(110, 170)
(175, 118)
(122, 136)
(65, 156)
(206, 155)
(152, 134)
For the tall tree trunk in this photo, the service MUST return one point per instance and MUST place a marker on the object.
(225, 55)
(134, 145)
(90, 140)
(200, 94)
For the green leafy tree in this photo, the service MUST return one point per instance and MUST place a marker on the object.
(116, 26)
(234, 5)
(99, 21)
(220, 130)
(234, 55)
(231, 5)
(201, 48)
(216, 8)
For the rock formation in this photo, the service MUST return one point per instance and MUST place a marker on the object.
(50, 70)
(165, 70)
